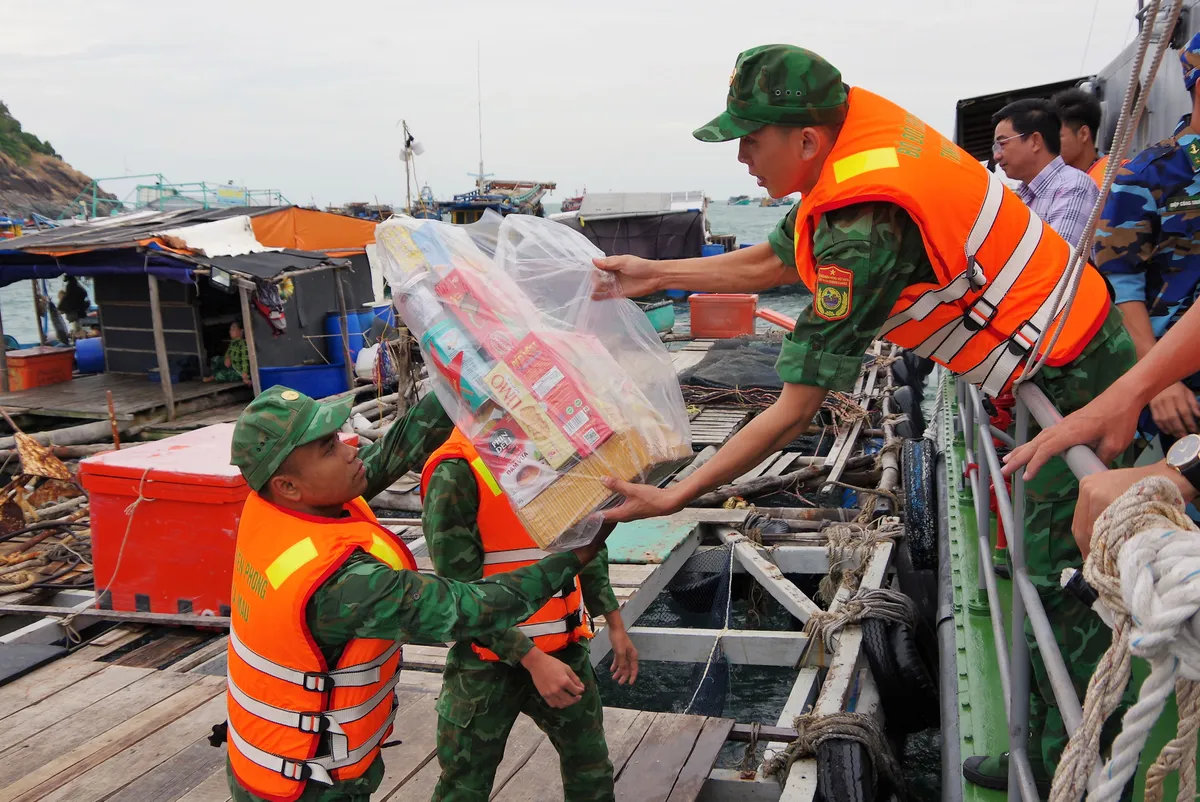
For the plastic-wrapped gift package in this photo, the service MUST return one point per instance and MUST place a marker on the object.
(555, 389)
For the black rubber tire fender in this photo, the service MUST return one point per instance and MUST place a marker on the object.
(920, 686)
(920, 502)
(877, 645)
(845, 772)
(908, 402)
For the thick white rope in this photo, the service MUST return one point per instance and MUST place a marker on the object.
(1145, 565)
(1126, 126)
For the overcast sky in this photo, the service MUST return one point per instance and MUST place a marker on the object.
(602, 95)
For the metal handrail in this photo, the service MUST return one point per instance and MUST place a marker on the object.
(984, 469)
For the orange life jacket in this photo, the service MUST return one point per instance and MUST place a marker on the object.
(997, 264)
(282, 695)
(507, 547)
(1096, 171)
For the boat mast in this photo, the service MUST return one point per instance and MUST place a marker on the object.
(408, 154)
(479, 99)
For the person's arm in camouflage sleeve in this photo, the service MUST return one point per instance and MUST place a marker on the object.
(448, 518)
(406, 446)
(880, 245)
(367, 599)
(600, 600)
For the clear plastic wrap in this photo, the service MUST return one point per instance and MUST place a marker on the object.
(556, 390)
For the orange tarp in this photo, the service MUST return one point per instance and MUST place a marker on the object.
(308, 230)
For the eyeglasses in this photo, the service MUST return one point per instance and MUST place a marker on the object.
(998, 144)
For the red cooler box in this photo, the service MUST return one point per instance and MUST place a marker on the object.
(172, 552)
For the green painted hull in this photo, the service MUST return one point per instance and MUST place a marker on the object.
(661, 314)
(983, 727)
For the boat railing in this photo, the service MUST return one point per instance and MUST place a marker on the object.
(1012, 650)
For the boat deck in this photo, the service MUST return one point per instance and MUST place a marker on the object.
(83, 729)
(135, 398)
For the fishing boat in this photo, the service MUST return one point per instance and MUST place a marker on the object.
(573, 204)
(739, 200)
(10, 227)
(769, 201)
(501, 196)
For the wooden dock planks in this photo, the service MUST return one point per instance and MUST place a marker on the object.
(133, 396)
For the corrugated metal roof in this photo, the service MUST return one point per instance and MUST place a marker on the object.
(973, 129)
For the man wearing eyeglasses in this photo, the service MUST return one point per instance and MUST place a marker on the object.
(1027, 148)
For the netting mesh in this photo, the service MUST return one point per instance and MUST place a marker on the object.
(701, 595)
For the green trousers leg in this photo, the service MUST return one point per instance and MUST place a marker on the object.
(477, 708)
(1050, 545)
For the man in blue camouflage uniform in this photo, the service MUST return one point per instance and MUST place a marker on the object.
(1146, 246)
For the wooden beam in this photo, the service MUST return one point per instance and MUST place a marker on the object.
(742, 647)
(768, 574)
(160, 347)
(37, 312)
(3, 359)
(647, 593)
(341, 302)
(248, 333)
(84, 610)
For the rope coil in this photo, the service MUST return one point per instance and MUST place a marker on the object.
(1145, 566)
(815, 730)
(882, 603)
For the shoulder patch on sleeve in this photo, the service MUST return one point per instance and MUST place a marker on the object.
(834, 292)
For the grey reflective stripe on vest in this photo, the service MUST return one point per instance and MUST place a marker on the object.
(547, 628)
(513, 556)
(973, 278)
(315, 723)
(319, 767)
(355, 676)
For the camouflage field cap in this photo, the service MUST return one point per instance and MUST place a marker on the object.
(780, 85)
(276, 422)
(1189, 57)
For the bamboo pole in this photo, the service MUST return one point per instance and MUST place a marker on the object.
(248, 333)
(160, 347)
(38, 312)
(341, 302)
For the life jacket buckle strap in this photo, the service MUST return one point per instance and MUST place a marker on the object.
(314, 723)
(315, 681)
(574, 621)
(975, 275)
(1022, 340)
(979, 314)
(299, 772)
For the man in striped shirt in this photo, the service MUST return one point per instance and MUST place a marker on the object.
(1026, 146)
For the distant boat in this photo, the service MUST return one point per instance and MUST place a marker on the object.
(572, 204)
(504, 197)
(739, 200)
(426, 208)
(785, 201)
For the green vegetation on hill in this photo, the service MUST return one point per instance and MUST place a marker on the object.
(17, 143)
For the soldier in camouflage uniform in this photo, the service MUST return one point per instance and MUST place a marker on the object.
(881, 246)
(1146, 245)
(364, 597)
(481, 699)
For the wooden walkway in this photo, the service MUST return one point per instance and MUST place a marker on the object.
(134, 397)
(84, 730)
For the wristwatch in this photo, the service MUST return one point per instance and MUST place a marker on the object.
(1184, 456)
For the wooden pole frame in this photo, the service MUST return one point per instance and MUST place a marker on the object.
(248, 333)
(3, 359)
(341, 302)
(160, 344)
(38, 313)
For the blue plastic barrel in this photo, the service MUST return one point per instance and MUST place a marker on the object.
(89, 355)
(333, 337)
(365, 318)
(315, 381)
(712, 250)
(385, 312)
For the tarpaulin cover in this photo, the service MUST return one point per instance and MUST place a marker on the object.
(309, 230)
(664, 236)
(555, 389)
(97, 263)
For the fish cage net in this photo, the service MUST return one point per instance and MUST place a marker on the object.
(701, 596)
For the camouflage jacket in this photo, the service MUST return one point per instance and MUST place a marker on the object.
(1146, 243)
(448, 519)
(881, 245)
(367, 599)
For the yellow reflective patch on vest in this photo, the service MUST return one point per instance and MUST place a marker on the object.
(382, 551)
(486, 475)
(286, 564)
(864, 162)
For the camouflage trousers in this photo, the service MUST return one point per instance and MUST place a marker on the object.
(1050, 546)
(479, 704)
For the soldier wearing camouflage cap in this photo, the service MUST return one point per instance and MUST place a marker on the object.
(1146, 246)
(899, 234)
(323, 595)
